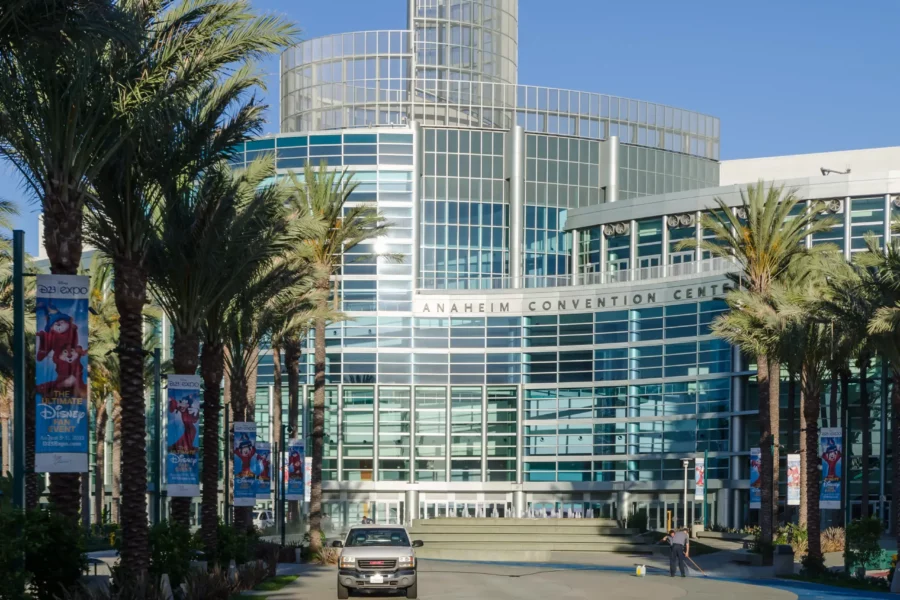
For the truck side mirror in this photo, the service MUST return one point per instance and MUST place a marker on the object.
(337, 544)
(418, 543)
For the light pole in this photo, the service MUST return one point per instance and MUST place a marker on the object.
(19, 368)
(229, 461)
(157, 430)
(685, 463)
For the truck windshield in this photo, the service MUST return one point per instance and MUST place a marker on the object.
(377, 537)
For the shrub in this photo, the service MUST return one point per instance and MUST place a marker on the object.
(833, 539)
(171, 551)
(639, 520)
(813, 566)
(863, 541)
(796, 536)
(53, 552)
(329, 556)
(235, 544)
(212, 585)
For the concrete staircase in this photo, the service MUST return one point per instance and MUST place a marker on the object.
(524, 540)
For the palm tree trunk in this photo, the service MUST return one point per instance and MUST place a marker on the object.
(62, 241)
(318, 442)
(240, 407)
(276, 409)
(212, 366)
(292, 362)
(116, 512)
(775, 418)
(791, 410)
(4, 446)
(812, 392)
(806, 461)
(131, 295)
(765, 448)
(100, 463)
(845, 398)
(863, 364)
(185, 359)
(895, 443)
(32, 484)
(833, 400)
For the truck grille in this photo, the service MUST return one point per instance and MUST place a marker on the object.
(376, 564)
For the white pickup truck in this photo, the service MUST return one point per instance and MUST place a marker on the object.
(377, 557)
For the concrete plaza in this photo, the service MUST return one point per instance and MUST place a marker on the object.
(485, 581)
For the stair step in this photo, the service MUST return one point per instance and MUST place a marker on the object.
(523, 532)
(518, 539)
(544, 547)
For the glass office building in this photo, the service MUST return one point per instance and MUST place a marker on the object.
(544, 343)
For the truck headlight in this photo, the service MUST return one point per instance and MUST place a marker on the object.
(406, 561)
(348, 561)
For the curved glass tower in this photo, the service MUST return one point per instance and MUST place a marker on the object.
(515, 360)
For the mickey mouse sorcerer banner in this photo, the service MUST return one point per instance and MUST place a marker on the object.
(61, 426)
(244, 449)
(183, 435)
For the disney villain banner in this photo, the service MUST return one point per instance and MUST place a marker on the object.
(183, 436)
(61, 426)
(244, 459)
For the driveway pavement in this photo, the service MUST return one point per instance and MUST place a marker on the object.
(447, 580)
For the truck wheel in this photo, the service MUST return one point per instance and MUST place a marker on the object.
(413, 590)
(343, 592)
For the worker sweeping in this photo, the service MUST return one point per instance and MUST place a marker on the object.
(678, 551)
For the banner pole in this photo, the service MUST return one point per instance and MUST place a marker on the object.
(157, 430)
(705, 488)
(19, 367)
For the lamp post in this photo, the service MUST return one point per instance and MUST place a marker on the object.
(685, 463)
(228, 464)
(157, 430)
(19, 368)
(282, 489)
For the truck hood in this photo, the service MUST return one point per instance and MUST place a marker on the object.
(375, 552)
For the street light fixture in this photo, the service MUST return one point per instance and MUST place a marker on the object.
(685, 463)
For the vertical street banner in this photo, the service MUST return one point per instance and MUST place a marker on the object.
(263, 471)
(183, 436)
(244, 456)
(61, 425)
(307, 481)
(793, 480)
(296, 473)
(699, 478)
(755, 478)
(831, 449)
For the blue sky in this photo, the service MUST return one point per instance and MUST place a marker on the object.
(784, 77)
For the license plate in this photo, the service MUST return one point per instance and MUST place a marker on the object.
(377, 579)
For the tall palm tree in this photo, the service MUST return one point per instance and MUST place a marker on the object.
(197, 204)
(764, 245)
(850, 301)
(884, 266)
(181, 50)
(103, 367)
(248, 235)
(326, 194)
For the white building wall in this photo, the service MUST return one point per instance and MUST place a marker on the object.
(796, 166)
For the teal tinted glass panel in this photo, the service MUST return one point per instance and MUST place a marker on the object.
(260, 144)
(324, 140)
(396, 138)
(290, 142)
(368, 138)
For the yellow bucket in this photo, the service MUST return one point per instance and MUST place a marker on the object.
(641, 570)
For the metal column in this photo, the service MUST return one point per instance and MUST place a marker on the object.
(19, 368)
(576, 257)
(612, 169)
(515, 155)
(416, 201)
(737, 435)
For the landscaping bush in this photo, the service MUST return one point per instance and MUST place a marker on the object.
(235, 544)
(833, 539)
(171, 551)
(863, 542)
(213, 585)
(796, 536)
(53, 553)
(639, 520)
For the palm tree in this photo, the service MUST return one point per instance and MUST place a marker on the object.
(884, 266)
(180, 52)
(764, 245)
(248, 235)
(326, 195)
(103, 366)
(197, 204)
(850, 301)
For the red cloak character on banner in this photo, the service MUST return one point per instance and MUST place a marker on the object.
(69, 373)
(60, 332)
(245, 452)
(831, 456)
(263, 460)
(296, 465)
(190, 416)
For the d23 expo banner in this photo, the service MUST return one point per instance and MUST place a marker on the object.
(755, 479)
(699, 478)
(183, 436)
(831, 451)
(244, 457)
(263, 471)
(793, 480)
(61, 427)
(296, 471)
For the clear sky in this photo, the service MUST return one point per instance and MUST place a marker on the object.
(784, 76)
